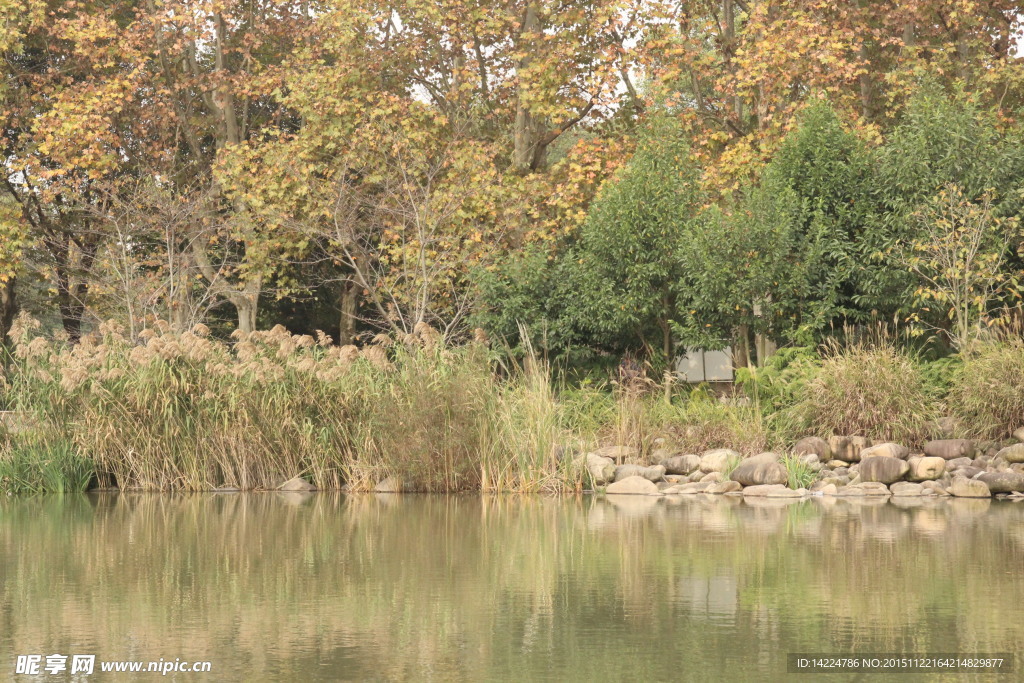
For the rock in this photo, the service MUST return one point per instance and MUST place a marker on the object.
(969, 488)
(681, 464)
(692, 487)
(812, 462)
(601, 469)
(1002, 482)
(944, 427)
(813, 445)
(923, 468)
(981, 462)
(786, 493)
(1017, 467)
(843, 471)
(848, 448)
(655, 473)
(882, 468)
(718, 460)
(1012, 454)
(758, 471)
(829, 490)
(957, 463)
(969, 472)
(723, 487)
(664, 485)
(660, 455)
(637, 486)
(1019, 434)
(867, 488)
(675, 479)
(890, 450)
(296, 484)
(390, 485)
(712, 478)
(763, 489)
(906, 488)
(618, 453)
(935, 487)
(948, 449)
(822, 483)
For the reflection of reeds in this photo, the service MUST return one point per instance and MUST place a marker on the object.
(469, 587)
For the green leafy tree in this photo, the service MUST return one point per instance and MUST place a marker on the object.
(626, 271)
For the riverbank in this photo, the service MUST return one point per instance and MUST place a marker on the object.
(169, 411)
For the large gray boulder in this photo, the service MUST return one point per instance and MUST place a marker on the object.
(963, 487)
(759, 470)
(718, 460)
(681, 464)
(890, 450)
(848, 448)
(1002, 482)
(925, 468)
(637, 486)
(653, 473)
(948, 449)
(1012, 454)
(813, 445)
(882, 468)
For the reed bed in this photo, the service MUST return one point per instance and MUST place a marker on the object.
(169, 411)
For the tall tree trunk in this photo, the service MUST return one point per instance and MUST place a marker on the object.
(529, 149)
(8, 308)
(865, 84)
(247, 305)
(741, 347)
(71, 294)
(349, 307)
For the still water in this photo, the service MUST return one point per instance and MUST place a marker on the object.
(372, 587)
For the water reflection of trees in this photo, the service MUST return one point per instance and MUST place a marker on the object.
(456, 587)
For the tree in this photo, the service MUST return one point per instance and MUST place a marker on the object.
(625, 266)
(959, 258)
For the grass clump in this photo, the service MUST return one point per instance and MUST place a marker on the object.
(38, 466)
(800, 474)
(987, 393)
(873, 390)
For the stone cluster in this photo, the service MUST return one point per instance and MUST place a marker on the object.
(841, 466)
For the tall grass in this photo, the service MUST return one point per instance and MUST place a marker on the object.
(867, 388)
(37, 466)
(987, 393)
(186, 412)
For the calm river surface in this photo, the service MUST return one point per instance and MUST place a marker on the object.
(371, 587)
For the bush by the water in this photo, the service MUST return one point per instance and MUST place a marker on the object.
(874, 390)
(987, 393)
